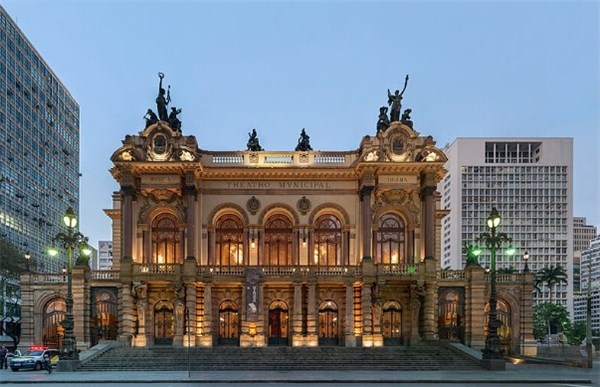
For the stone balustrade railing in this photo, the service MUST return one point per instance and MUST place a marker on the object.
(285, 270)
(49, 277)
(156, 268)
(226, 159)
(104, 274)
(397, 268)
(451, 275)
(513, 277)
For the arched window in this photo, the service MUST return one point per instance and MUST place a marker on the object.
(165, 240)
(328, 241)
(229, 323)
(504, 315)
(390, 239)
(105, 320)
(278, 241)
(328, 323)
(451, 307)
(53, 332)
(229, 241)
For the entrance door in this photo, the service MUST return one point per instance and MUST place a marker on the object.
(328, 323)
(163, 323)
(229, 326)
(278, 323)
(391, 325)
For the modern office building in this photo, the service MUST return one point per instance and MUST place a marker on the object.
(299, 248)
(39, 155)
(39, 147)
(104, 259)
(583, 234)
(530, 182)
(590, 275)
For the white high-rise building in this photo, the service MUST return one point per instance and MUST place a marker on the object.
(105, 258)
(583, 234)
(530, 182)
(590, 265)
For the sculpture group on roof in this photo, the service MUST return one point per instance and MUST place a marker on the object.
(253, 143)
(162, 101)
(303, 142)
(395, 102)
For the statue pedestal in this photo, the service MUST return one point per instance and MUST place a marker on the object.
(494, 364)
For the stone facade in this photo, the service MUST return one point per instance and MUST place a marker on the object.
(280, 248)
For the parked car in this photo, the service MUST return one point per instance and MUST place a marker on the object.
(10, 355)
(34, 359)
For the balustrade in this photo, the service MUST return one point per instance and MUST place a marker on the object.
(104, 274)
(398, 268)
(451, 275)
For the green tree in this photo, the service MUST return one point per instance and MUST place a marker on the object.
(547, 314)
(12, 264)
(576, 332)
(550, 276)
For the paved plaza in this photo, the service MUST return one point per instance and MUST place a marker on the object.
(515, 375)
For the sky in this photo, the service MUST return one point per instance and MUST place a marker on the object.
(477, 69)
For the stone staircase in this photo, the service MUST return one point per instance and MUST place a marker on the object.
(423, 356)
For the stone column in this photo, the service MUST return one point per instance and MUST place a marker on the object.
(312, 338)
(81, 308)
(27, 310)
(350, 339)
(128, 192)
(529, 346)
(475, 304)
(127, 316)
(365, 213)
(367, 317)
(410, 245)
(297, 337)
(415, 308)
(206, 339)
(191, 192)
(430, 328)
(428, 197)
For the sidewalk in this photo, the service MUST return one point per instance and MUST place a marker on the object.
(522, 373)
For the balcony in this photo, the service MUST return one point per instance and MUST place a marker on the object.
(284, 159)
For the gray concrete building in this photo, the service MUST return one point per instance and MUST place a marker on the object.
(583, 234)
(590, 275)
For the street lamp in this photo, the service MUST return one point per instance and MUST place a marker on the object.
(27, 258)
(526, 259)
(492, 354)
(71, 240)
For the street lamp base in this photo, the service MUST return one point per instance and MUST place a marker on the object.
(68, 365)
(494, 364)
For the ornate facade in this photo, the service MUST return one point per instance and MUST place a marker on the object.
(258, 248)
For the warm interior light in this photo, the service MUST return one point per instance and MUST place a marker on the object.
(253, 244)
(394, 258)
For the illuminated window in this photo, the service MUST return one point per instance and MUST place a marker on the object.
(278, 241)
(229, 241)
(328, 241)
(165, 240)
(390, 238)
(54, 313)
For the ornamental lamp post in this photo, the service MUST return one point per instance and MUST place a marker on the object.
(70, 241)
(526, 259)
(492, 354)
(27, 257)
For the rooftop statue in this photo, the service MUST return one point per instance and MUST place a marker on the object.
(162, 101)
(395, 101)
(384, 122)
(253, 143)
(303, 142)
(174, 122)
(150, 118)
(406, 118)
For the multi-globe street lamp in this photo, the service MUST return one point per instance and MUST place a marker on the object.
(526, 259)
(492, 354)
(70, 241)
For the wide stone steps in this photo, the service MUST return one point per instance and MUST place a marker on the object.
(430, 356)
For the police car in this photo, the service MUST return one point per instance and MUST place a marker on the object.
(34, 359)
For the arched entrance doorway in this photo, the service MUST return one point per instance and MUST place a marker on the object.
(278, 323)
(163, 323)
(504, 331)
(328, 323)
(105, 321)
(391, 324)
(451, 309)
(229, 323)
(54, 314)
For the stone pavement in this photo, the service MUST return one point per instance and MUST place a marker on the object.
(519, 373)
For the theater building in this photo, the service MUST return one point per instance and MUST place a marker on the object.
(263, 248)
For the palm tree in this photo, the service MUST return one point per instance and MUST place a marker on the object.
(550, 276)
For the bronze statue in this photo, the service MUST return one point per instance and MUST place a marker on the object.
(253, 143)
(161, 100)
(406, 118)
(396, 102)
(303, 142)
(384, 122)
(150, 118)
(174, 122)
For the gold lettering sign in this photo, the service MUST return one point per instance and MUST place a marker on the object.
(279, 184)
(160, 179)
(398, 179)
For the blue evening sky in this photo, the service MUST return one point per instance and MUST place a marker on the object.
(477, 69)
